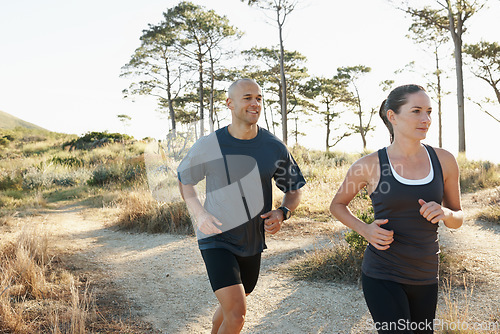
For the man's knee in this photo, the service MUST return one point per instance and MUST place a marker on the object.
(235, 318)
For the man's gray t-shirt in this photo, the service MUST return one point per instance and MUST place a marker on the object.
(238, 185)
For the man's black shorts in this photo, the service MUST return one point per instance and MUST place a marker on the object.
(226, 269)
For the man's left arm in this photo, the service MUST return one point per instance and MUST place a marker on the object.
(274, 218)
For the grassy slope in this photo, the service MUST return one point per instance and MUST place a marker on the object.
(7, 121)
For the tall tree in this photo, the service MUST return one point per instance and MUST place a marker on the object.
(485, 64)
(199, 41)
(270, 74)
(329, 92)
(351, 75)
(157, 65)
(281, 8)
(457, 13)
(220, 32)
(433, 36)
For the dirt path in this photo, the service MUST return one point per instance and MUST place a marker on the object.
(164, 281)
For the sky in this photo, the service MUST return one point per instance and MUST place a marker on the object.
(60, 63)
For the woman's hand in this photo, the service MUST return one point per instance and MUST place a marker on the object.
(377, 236)
(432, 211)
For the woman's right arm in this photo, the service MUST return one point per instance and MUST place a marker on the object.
(362, 172)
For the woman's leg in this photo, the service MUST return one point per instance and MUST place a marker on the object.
(423, 302)
(388, 305)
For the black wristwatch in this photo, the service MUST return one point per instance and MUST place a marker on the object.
(286, 212)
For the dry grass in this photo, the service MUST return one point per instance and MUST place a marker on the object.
(456, 315)
(476, 175)
(457, 305)
(452, 268)
(491, 212)
(341, 261)
(324, 172)
(36, 297)
(141, 212)
(337, 262)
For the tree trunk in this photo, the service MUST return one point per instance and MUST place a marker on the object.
(265, 114)
(296, 131)
(283, 80)
(460, 96)
(440, 124)
(361, 128)
(327, 121)
(212, 80)
(170, 103)
(497, 92)
(457, 40)
(200, 89)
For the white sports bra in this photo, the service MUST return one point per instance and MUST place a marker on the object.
(411, 182)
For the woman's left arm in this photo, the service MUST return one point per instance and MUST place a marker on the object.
(451, 211)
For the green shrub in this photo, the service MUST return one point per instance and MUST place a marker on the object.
(38, 177)
(95, 139)
(68, 161)
(4, 141)
(134, 171)
(70, 179)
(15, 194)
(104, 175)
(357, 242)
(34, 178)
(11, 180)
(9, 137)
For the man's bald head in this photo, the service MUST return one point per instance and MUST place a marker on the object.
(234, 85)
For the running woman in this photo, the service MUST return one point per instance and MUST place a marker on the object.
(414, 188)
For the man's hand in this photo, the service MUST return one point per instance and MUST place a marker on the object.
(207, 223)
(272, 220)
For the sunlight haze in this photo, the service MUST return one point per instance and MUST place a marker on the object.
(60, 63)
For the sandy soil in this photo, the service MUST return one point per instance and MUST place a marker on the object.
(161, 279)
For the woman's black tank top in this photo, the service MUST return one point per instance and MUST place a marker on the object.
(413, 256)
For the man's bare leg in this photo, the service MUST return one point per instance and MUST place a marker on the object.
(230, 315)
(217, 320)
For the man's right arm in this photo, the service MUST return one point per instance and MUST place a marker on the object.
(205, 222)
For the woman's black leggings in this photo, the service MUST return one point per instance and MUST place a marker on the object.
(400, 308)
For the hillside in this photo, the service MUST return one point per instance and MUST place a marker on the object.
(7, 121)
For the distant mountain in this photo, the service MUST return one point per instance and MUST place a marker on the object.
(7, 121)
